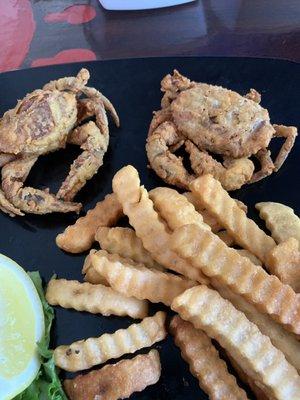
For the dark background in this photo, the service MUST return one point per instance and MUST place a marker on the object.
(134, 88)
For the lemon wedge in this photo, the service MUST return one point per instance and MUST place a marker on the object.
(21, 327)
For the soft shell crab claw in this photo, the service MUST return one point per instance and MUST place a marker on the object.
(28, 199)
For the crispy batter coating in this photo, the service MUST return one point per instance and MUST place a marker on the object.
(252, 350)
(196, 201)
(89, 161)
(204, 361)
(89, 272)
(124, 241)
(138, 281)
(175, 208)
(222, 121)
(28, 199)
(212, 120)
(153, 232)
(209, 219)
(96, 299)
(245, 231)
(167, 166)
(41, 123)
(280, 220)
(226, 238)
(283, 340)
(80, 236)
(94, 276)
(206, 251)
(252, 257)
(232, 174)
(284, 262)
(259, 394)
(87, 353)
(116, 381)
(7, 207)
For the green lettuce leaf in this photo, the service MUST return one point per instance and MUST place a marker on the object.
(46, 385)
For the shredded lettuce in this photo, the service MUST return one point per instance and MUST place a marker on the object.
(46, 385)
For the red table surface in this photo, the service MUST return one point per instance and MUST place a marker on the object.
(43, 32)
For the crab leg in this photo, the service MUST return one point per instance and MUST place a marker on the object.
(159, 117)
(76, 84)
(290, 133)
(95, 142)
(29, 199)
(7, 207)
(254, 95)
(234, 174)
(71, 83)
(6, 158)
(171, 85)
(168, 166)
(267, 165)
(97, 96)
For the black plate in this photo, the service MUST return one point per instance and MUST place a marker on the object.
(134, 88)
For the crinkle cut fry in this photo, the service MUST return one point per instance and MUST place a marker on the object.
(138, 281)
(204, 361)
(245, 231)
(258, 392)
(123, 241)
(80, 236)
(116, 381)
(94, 299)
(175, 208)
(93, 276)
(248, 254)
(284, 262)
(280, 219)
(283, 340)
(206, 251)
(208, 218)
(253, 351)
(147, 224)
(85, 354)
(89, 272)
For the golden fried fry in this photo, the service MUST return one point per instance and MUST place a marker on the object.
(148, 226)
(94, 299)
(85, 354)
(138, 281)
(207, 252)
(280, 220)
(199, 206)
(284, 261)
(91, 275)
(211, 221)
(226, 238)
(175, 208)
(252, 257)
(283, 340)
(80, 236)
(245, 231)
(259, 394)
(116, 381)
(123, 241)
(253, 351)
(204, 361)
(207, 217)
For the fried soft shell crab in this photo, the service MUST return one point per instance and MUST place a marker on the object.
(44, 121)
(211, 119)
